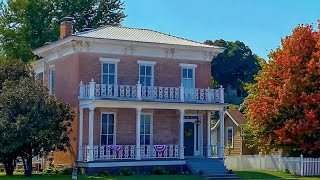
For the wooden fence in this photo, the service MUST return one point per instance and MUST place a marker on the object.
(296, 165)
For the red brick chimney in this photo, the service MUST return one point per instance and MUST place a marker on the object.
(66, 27)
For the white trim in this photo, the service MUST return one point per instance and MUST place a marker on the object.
(216, 125)
(114, 127)
(188, 65)
(115, 71)
(52, 66)
(146, 62)
(232, 136)
(233, 120)
(51, 84)
(151, 126)
(109, 60)
(132, 163)
(152, 72)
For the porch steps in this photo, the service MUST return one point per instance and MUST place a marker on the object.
(210, 168)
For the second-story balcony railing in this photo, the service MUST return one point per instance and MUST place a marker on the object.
(150, 93)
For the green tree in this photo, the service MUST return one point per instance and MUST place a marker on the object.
(29, 24)
(236, 66)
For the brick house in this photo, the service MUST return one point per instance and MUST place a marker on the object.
(139, 95)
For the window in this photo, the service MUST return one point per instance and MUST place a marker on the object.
(108, 129)
(146, 75)
(146, 72)
(146, 129)
(109, 73)
(230, 137)
(188, 75)
(52, 74)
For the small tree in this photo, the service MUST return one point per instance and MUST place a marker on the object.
(32, 120)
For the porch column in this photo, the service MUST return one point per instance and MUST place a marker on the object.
(138, 147)
(181, 134)
(91, 119)
(221, 143)
(80, 150)
(209, 153)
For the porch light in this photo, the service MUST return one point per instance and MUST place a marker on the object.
(198, 122)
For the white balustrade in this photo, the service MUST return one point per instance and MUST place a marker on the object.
(159, 151)
(151, 93)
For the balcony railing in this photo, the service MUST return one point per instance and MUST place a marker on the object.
(150, 93)
(123, 152)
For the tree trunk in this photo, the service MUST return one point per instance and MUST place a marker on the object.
(27, 163)
(9, 166)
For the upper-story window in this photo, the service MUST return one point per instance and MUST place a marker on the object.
(109, 71)
(146, 72)
(52, 74)
(188, 75)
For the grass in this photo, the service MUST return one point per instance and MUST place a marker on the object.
(68, 177)
(270, 175)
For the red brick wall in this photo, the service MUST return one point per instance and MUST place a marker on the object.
(167, 71)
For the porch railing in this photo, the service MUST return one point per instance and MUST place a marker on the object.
(151, 93)
(118, 152)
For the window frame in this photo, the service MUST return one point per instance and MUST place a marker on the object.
(52, 70)
(110, 61)
(147, 63)
(151, 129)
(232, 136)
(193, 68)
(114, 128)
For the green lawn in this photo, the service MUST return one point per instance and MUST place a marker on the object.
(269, 175)
(66, 177)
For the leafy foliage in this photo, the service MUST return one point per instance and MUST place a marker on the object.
(235, 66)
(284, 104)
(29, 24)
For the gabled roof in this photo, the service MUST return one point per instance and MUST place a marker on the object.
(139, 35)
(236, 116)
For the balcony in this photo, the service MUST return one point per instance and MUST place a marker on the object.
(93, 91)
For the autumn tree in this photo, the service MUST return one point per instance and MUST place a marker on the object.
(284, 104)
(29, 24)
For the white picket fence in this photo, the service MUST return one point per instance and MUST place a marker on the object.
(296, 165)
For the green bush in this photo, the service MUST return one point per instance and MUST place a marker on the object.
(66, 170)
(2, 170)
(159, 170)
(126, 172)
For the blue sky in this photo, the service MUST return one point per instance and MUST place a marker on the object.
(259, 24)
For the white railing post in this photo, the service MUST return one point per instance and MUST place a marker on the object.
(181, 93)
(92, 89)
(221, 93)
(81, 90)
(139, 91)
(301, 165)
(209, 95)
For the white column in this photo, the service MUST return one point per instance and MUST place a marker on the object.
(181, 93)
(138, 146)
(221, 141)
(92, 88)
(91, 119)
(209, 135)
(80, 150)
(181, 134)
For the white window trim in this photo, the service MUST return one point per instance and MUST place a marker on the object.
(232, 137)
(147, 62)
(151, 127)
(188, 65)
(109, 60)
(115, 70)
(114, 127)
(51, 89)
(152, 70)
(193, 71)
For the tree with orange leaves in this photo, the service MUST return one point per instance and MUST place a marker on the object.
(283, 107)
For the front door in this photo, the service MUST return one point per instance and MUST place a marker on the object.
(189, 138)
